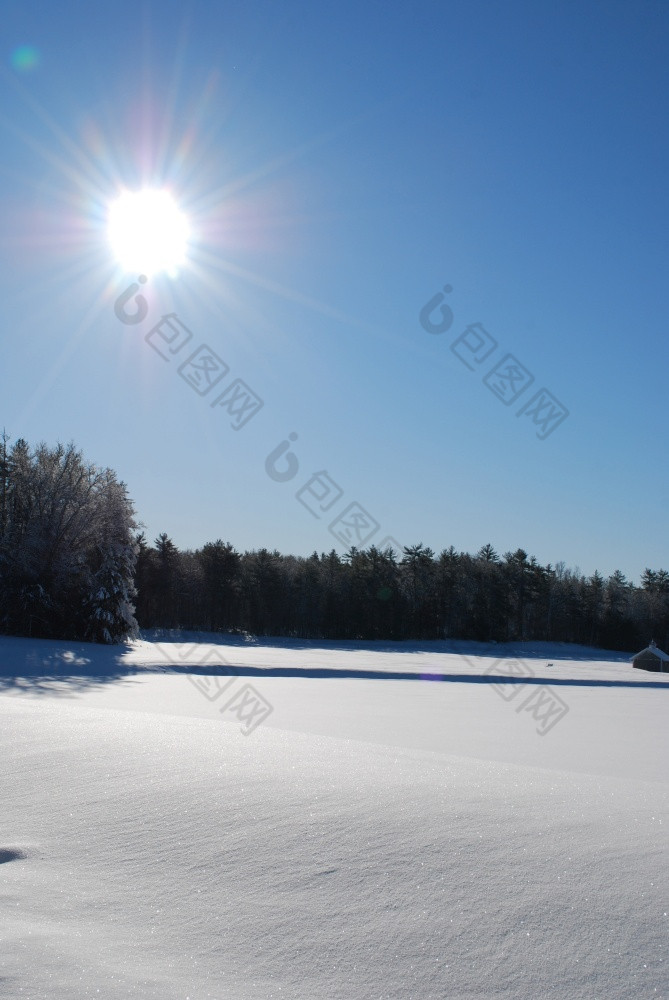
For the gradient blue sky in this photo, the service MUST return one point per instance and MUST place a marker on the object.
(340, 163)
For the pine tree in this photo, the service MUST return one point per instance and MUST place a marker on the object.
(221, 567)
(166, 582)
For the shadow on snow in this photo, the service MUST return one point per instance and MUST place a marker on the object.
(65, 669)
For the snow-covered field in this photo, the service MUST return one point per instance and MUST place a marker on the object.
(331, 820)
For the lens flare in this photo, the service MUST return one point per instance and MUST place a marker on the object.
(25, 58)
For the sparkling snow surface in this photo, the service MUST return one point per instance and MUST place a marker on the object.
(378, 835)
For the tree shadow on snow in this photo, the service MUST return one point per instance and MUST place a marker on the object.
(529, 650)
(62, 669)
(57, 667)
(333, 673)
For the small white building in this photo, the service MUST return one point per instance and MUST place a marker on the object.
(651, 658)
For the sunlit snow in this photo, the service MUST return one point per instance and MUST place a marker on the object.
(379, 835)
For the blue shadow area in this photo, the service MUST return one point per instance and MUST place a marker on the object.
(61, 668)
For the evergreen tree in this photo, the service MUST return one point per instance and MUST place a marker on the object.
(66, 546)
(221, 567)
(165, 583)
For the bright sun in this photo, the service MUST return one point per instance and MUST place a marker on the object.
(147, 231)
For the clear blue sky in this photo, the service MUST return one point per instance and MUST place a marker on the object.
(340, 164)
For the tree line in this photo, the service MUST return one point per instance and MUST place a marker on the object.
(416, 594)
(73, 565)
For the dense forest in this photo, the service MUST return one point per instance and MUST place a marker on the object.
(73, 565)
(386, 595)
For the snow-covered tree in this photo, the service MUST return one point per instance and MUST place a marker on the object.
(67, 549)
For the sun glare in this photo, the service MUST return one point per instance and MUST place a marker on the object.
(147, 231)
